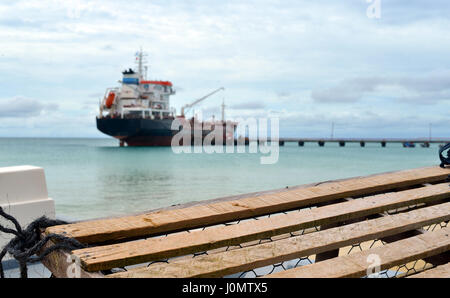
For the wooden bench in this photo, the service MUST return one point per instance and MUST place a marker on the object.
(396, 219)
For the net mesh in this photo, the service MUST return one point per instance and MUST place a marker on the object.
(394, 272)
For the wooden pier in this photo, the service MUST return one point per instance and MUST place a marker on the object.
(397, 221)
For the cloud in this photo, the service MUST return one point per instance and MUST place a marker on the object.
(108, 47)
(427, 89)
(346, 91)
(251, 105)
(361, 123)
(21, 107)
(289, 55)
(283, 94)
(410, 11)
(96, 94)
(207, 111)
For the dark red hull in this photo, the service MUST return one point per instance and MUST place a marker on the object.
(142, 141)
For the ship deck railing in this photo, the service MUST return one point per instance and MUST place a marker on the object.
(389, 225)
(145, 111)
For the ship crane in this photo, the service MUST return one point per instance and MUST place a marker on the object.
(188, 106)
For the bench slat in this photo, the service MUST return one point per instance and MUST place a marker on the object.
(135, 252)
(390, 255)
(199, 216)
(442, 271)
(241, 260)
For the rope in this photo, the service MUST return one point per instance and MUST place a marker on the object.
(444, 160)
(27, 243)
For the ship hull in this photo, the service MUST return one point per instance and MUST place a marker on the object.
(144, 132)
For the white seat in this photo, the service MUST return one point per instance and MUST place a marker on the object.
(23, 194)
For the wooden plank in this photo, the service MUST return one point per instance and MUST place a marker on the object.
(435, 260)
(442, 271)
(135, 252)
(390, 255)
(241, 260)
(62, 265)
(199, 216)
(329, 254)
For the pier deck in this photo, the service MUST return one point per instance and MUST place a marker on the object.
(424, 142)
(396, 222)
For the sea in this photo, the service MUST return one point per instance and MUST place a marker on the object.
(92, 178)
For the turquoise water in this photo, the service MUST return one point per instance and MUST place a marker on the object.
(91, 178)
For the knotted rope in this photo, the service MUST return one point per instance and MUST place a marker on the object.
(445, 160)
(27, 242)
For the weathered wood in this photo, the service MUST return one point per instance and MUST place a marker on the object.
(204, 215)
(435, 260)
(135, 252)
(62, 265)
(390, 255)
(241, 260)
(442, 271)
(329, 254)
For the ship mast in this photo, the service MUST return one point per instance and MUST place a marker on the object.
(223, 110)
(140, 62)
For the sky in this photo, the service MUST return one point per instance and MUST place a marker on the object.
(374, 68)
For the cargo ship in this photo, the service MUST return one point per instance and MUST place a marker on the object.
(138, 113)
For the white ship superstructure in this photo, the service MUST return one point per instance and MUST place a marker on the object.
(138, 97)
